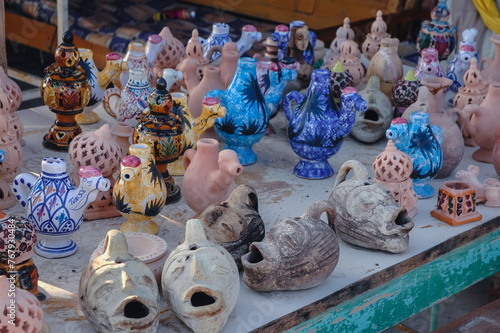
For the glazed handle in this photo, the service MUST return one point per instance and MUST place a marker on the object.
(287, 102)
(483, 61)
(358, 169)
(106, 99)
(22, 187)
(243, 192)
(317, 208)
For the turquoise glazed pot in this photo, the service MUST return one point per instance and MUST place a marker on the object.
(248, 110)
(423, 143)
(317, 127)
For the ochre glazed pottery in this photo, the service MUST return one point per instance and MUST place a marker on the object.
(66, 91)
(55, 206)
(139, 193)
(235, 223)
(367, 215)
(200, 281)
(118, 292)
(297, 253)
(456, 203)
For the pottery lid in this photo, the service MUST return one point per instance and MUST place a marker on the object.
(441, 13)
(67, 54)
(220, 28)
(145, 247)
(160, 101)
(379, 27)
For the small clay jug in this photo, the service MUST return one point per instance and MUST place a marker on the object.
(491, 73)
(297, 253)
(235, 223)
(367, 215)
(229, 63)
(200, 281)
(378, 32)
(387, 65)
(209, 175)
(481, 121)
(453, 142)
(118, 292)
(211, 80)
(492, 191)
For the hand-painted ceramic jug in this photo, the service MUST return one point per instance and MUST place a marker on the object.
(247, 110)
(55, 206)
(127, 104)
(423, 143)
(316, 127)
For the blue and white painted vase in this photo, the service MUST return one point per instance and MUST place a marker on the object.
(248, 110)
(281, 35)
(55, 206)
(317, 127)
(461, 63)
(219, 36)
(423, 143)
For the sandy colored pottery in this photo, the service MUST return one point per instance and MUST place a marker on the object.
(25, 313)
(66, 91)
(428, 65)
(11, 155)
(438, 33)
(297, 253)
(235, 223)
(194, 127)
(453, 142)
(456, 203)
(392, 170)
(135, 57)
(490, 68)
(387, 65)
(469, 176)
(367, 215)
(481, 121)
(200, 281)
(123, 133)
(474, 90)
(18, 251)
(209, 175)
(378, 32)
(162, 129)
(99, 81)
(198, 89)
(340, 79)
(298, 43)
(127, 104)
(351, 59)
(492, 192)
(98, 149)
(55, 206)
(118, 292)
(10, 100)
(371, 125)
(461, 63)
(342, 34)
(150, 249)
(404, 93)
(139, 193)
(169, 54)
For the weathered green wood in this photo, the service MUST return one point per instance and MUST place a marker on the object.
(412, 292)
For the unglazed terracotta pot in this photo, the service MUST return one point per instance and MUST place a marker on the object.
(198, 89)
(453, 142)
(135, 57)
(491, 72)
(474, 90)
(234, 223)
(200, 281)
(123, 133)
(25, 273)
(32, 315)
(456, 203)
(342, 34)
(98, 149)
(392, 170)
(10, 100)
(66, 91)
(371, 125)
(351, 59)
(297, 253)
(118, 292)
(378, 32)
(367, 215)
(492, 191)
(470, 176)
(481, 121)
(387, 65)
(11, 155)
(139, 193)
(209, 175)
(170, 54)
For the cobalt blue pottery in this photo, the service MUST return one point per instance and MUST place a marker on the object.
(317, 127)
(248, 110)
(423, 143)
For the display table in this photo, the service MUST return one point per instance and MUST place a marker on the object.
(368, 290)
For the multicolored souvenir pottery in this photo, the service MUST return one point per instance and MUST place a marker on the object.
(340, 79)
(423, 143)
(428, 65)
(367, 215)
(316, 127)
(135, 57)
(281, 36)
(247, 110)
(162, 129)
(139, 193)
(456, 203)
(218, 37)
(404, 93)
(55, 206)
(66, 91)
(461, 63)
